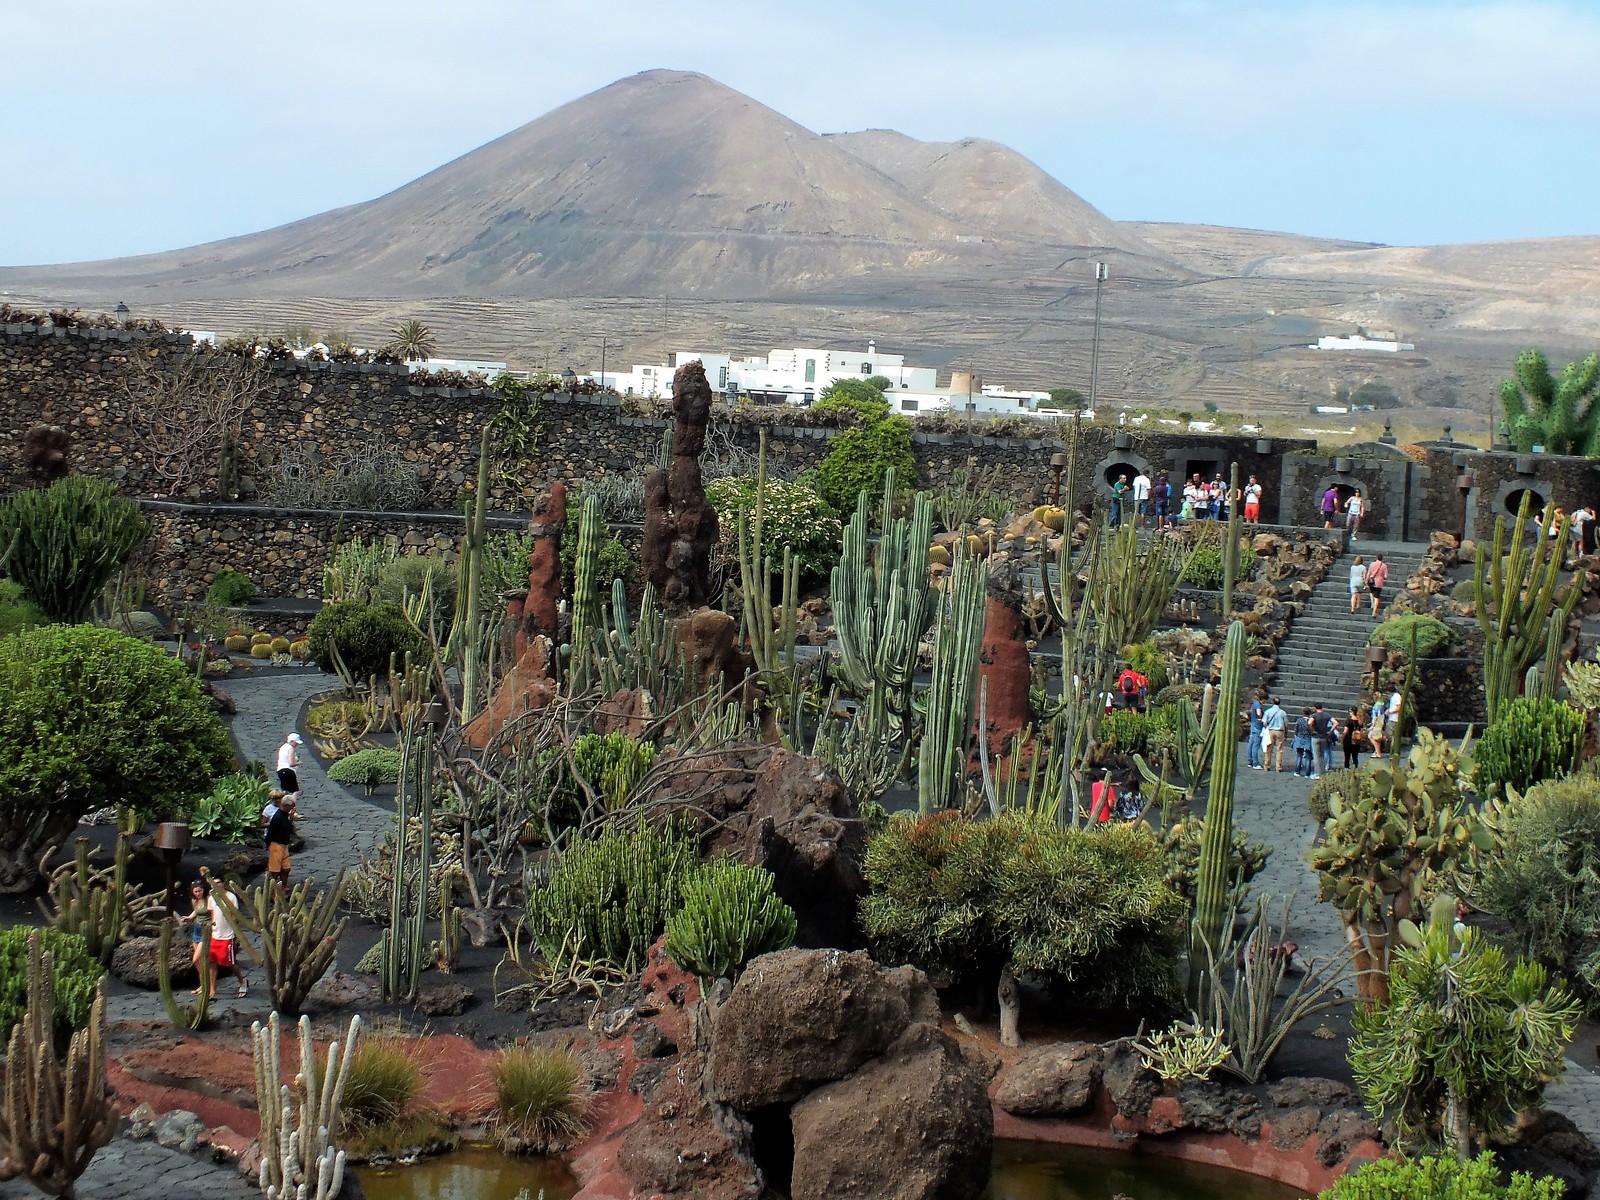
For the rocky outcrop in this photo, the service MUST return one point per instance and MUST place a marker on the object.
(680, 526)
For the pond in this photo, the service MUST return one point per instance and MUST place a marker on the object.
(1029, 1171)
(1022, 1171)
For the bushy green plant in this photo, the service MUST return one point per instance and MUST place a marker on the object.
(612, 763)
(730, 914)
(505, 563)
(794, 517)
(1466, 1040)
(231, 811)
(614, 562)
(1530, 741)
(408, 575)
(94, 718)
(16, 612)
(609, 897)
(366, 637)
(1247, 859)
(63, 543)
(75, 971)
(1148, 659)
(230, 588)
(859, 456)
(1205, 569)
(1545, 881)
(538, 1092)
(861, 398)
(1440, 1179)
(383, 1080)
(1125, 731)
(984, 899)
(1170, 695)
(1432, 635)
(370, 768)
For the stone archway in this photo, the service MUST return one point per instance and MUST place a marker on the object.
(1345, 486)
(1119, 462)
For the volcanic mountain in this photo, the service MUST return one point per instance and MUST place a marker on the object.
(665, 181)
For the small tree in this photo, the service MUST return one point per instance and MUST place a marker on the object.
(94, 718)
(987, 901)
(63, 543)
(1465, 1042)
(412, 341)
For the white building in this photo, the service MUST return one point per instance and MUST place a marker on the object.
(797, 375)
(1360, 341)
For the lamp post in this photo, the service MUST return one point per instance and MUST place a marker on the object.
(1100, 275)
(121, 312)
(1058, 463)
(602, 364)
(1465, 482)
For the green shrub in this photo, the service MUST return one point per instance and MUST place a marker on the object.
(75, 972)
(328, 718)
(17, 613)
(1531, 741)
(366, 635)
(1344, 781)
(609, 897)
(612, 763)
(505, 563)
(94, 718)
(972, 897)
(231, 811)
(1195, 693)
(538, 1093)
(369, 768)
(1204, 569)
(730, 914)
(614, 562)
(859, 397)
(230, 589)
(793, 517)
(64, 543)
(1126, 732)
(1464, 592)
(1432, 634)
(406, 577)
(1445, 1178)
(1545, 881)
(384, 1079)
(1147, 659)
(859, 456)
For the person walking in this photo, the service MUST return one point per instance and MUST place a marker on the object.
(1141, 498)
(1252, 502)
(223, 957)
(1253, 749)
(1352, 738)
(1391, 717)
(1375, 730)
(279, 835)
(289, 762)
(1161, 500)
(1102, 799)
(197, 907)
(1322, 724)
(1581, 518)
(1330, 505)
(1273, 721)
(1303, 745)
(1353, 509)
(1377, 576)
(1119, 492)
(1358, 582)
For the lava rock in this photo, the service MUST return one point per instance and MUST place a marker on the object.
(444, 1000)
(179, 1129)
(137, 962)
(1053, 1081)
(343, 990)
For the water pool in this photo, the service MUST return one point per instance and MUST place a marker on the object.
(471, 1173)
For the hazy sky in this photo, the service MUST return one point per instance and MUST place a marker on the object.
(141, 127)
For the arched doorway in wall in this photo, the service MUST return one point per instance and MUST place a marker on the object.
(1344, 487)
(1110, 468)
(1511, 501)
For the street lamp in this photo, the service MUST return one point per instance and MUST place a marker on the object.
(121, 312)
(1100, 276)
(1465, 482)
(1058, 463)
(602, 364)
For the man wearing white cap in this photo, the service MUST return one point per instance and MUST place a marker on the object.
(288, 760)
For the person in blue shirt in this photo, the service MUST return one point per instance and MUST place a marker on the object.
(1257, 711)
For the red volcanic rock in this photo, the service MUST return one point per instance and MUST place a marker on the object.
(1003, 668)
(680, 526)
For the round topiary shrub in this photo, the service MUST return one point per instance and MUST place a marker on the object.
(94, 718)
(367, 768)
(230, 588)
(75, 973)
(365, 637)
(1431, 634)
(794, 517)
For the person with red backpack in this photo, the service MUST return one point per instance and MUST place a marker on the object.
(1128, 689)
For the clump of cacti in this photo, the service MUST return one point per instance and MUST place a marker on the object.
(299, 1160)
(300, 649)
(298, 932)
(260, 638)
(236, 643)
(730, 914)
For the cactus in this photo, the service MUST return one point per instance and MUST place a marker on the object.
(57, 1113)
(260, 638)
(730, 914)
(466, 629)
(299, 1160)
(300, 649)
(1230, 545)
(586, 615)
(449, 943)
(1216, 847)
(236, 643)
(1193, 746)
(280, 645)
(953, 694)
(184, 1016)
(98, 905)
(1515, 592)
(404, 941)
(1131, 587)
(299, 932)
(646, 658)
(261, 650)
(755, 583)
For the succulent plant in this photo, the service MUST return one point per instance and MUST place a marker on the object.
(236, 643)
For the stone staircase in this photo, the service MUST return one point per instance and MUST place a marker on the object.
(1325, 655)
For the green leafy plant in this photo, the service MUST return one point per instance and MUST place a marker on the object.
(1545, 882)
(231, 811)
(505, 563)
(1440, 1179)
(1125, 731)
(1206, 570)
(1529, 742)
(613, 560)
(1182, 1051)
(74, 969)
(609, 897)
(64, 543)
(859, 456)
(230, 589)
(1465, 1041)
(1397, 633)
(730, 914)
(371, 769)
(16, 612)
(610, 765)
(988, 900)
(794, 518)
(365, 636)
(409, 577)
(538, 1093)
(412, 341)
(1150, 661)
(93, 718)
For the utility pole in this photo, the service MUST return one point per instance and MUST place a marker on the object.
(1100, 274)
(602, 364)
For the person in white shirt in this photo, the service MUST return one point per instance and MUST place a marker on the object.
(1252, 501)
(1580, 523)
(1353, 508)
(1392, 716)
(1358, 582)
(288, 761)
(222, 943)
(1141, 498)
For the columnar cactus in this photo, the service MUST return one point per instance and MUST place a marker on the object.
(466, 630)
(299, 932)
(1216, 847)
(299, 1158)
(953, 693)
(1230, 545)
(586, 614)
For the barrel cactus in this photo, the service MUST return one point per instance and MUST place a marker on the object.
(280, 645)
(261, 650)
(236, 643)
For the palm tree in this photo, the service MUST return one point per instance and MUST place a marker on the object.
(413, 341)
(1562, 415)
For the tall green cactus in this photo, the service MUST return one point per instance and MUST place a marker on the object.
(1216, 847)
(1515, 590)
(1087, 660)
(98, 905)
(297, 933)
(466, 631)
(953, 693)
(883, 602)
(772, 650)
(184, 1016)
(1230, 546)
(1133, 586)
(404, 943)
(63, 543)
(1193, 746)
